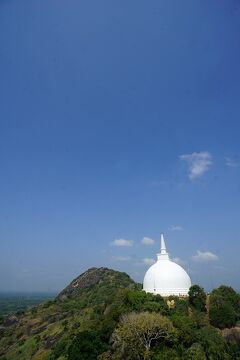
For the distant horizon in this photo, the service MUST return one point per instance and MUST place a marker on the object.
(27, 292)
(57, 291)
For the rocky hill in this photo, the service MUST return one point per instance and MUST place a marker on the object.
(93, 277)
(36, 333)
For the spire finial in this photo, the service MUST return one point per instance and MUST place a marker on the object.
(163, 255)
(163, 249)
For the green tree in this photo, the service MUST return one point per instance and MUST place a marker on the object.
(186, 329)
(87, 345)
(197, 297)
(140, 301)
(224, 307)
(222, 314)
(137, 333)
(229, 295)
(214, 345)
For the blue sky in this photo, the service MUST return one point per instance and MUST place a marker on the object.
(118, 120)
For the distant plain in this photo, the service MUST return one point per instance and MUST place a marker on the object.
(13, 302)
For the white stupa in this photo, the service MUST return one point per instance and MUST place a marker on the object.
(165, 277)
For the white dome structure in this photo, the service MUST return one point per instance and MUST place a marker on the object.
(165, 277)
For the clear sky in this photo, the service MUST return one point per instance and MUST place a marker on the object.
(118, 120)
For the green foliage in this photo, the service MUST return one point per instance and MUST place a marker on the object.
(137, 333)
(26, 349)
(222, 315)
(186, 329)
(107, 327)
(180, 305)
(166, 354)
(195, 352)
(135, 299)
(61, 348)
(200, 319)
(229, 295)
(224, 307)
(87, 345)
(197, 298)
(34, 310)
(142, 301)
(48, 303)
(214, 345)
(19, 303)
(232, 337)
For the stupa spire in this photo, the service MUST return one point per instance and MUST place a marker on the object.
(163, 255)
(163, 249)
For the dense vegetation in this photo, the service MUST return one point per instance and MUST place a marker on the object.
(109, 317)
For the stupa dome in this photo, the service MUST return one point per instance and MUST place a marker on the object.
(165, 277)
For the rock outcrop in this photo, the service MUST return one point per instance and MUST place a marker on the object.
(90, 278)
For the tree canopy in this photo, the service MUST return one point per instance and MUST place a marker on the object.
(137, 333)
(197, 297)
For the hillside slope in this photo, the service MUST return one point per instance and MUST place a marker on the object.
(36, 332)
